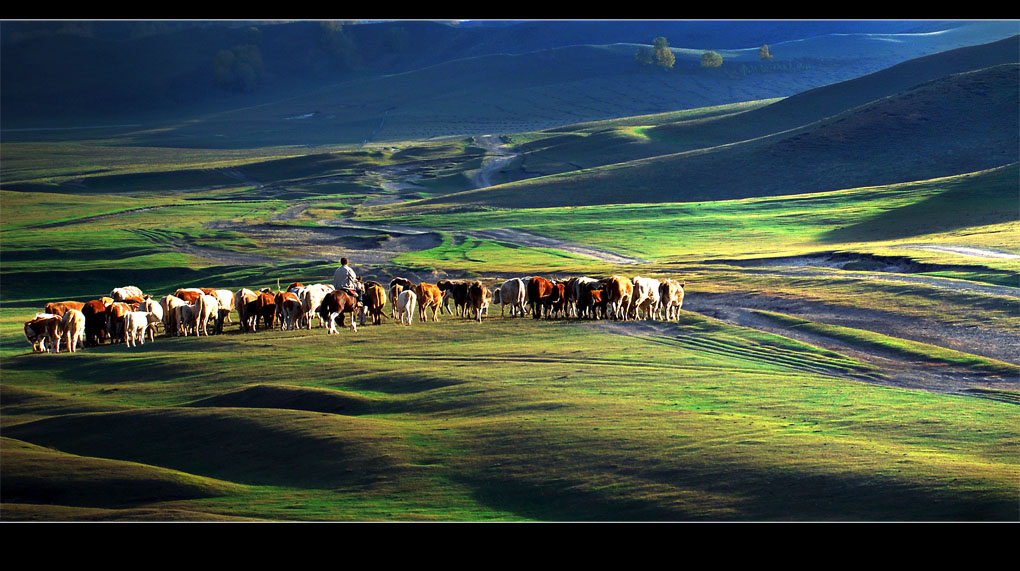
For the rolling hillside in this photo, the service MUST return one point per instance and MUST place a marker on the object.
(960, 123)
(422, 79)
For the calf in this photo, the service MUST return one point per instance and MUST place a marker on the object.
(186, 319)
(41, 330)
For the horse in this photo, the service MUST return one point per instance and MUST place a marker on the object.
(338, 303)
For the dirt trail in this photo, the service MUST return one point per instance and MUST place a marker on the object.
(499, 156)
(963, 251)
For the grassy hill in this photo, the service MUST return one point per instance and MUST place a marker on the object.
(408, 76)
(957, 124)
(841, 355)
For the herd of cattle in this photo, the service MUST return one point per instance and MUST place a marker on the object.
(129, 316)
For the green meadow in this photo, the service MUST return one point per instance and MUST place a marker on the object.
(512, 419)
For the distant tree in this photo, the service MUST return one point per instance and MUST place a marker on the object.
(663, 55)
(711, 59)
(764, 52)
(238, 69)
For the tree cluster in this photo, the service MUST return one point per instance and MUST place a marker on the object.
(659, 54)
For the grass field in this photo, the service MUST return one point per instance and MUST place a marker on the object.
(708, 418)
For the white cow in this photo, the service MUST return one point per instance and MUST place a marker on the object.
(122, 293)
(646, 297)
(207, 308)
(136, 325)
(226, 305)
(513, 293)
(405, 305)
(311, 298)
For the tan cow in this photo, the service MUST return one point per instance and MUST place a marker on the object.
(671, 293)
(74, 329)
(619, 293)
(375, 300)
(428, 296)
(242, 298)
(512, 293)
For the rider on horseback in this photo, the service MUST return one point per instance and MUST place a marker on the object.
(345, 279)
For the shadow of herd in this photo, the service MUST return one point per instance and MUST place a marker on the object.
(129, 316)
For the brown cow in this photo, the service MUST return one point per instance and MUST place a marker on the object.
(190, 294)
(557, 303)
(540, 292)
(115, 314)
(592, 304)
(458, 290)
(61, 307)
(619, 292)
(95, 322)
(43, 330)
(288, 309)
(428, 295)
(479, 297)
(265, 308)
(375, 301)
